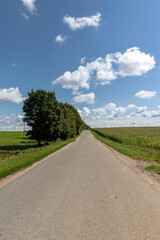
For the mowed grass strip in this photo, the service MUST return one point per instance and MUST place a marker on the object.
(130, 141)
(17, 151)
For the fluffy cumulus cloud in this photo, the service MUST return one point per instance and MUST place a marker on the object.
(99, 111)
(11, 95)
(133, 62)
(61, 39)
(145, 94)
(13, 122)
(30, 5)
(154, 113)
(140, 110)
(114, 111)
(82, 22)
(112, 115)
(75, 80)
(131, 106)
(109, 111)
(103, 69)
(85, 112)
(88, 98)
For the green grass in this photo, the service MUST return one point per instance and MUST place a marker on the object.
(153, 168)
(137, 143)
(17, 151)
(140, 136)
(13, 138)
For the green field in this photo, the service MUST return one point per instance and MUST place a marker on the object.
(17, 151)
(142, 143)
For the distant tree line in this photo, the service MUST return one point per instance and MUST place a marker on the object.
(49, 119)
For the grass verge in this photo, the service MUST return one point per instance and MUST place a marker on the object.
(133, 151)
(153, 168)
(24, 158)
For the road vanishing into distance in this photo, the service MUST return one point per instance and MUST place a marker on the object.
(82, 192)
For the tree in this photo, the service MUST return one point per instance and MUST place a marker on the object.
(70, 122)
(49, 119)
(41, 114)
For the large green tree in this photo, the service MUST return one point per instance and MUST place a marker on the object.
(48, 119)
(41, 114)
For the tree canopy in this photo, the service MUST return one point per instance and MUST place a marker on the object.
(50, 119)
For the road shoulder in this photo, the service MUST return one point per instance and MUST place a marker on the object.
(137, 165)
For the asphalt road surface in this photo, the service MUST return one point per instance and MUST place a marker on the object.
(82, 192)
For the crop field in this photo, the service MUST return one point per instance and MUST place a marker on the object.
(142, 143)
(17, 151)
(140, 136)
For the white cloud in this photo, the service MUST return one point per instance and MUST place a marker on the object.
(85, 112)
(25, 16)
(145, 94)
(131, 106)
(154, 113)
(83, 60)
(88, 98)
(11, 95)
(110, 108)
(30, 5)
(61, 39)
(122, 122)
(114, 116)
(99, 111)
(134, 62)
(14, 122)
(131, 63)
(139, 111)
(103, 69)
(81, 22)
(75, 80)
(116, 113)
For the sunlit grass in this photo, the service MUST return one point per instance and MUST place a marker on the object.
(153, 168)
(17, 151)
(141, 143)
(140, 136)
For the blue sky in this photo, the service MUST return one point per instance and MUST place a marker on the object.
(101, 56)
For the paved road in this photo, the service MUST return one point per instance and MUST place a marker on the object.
(83, 192)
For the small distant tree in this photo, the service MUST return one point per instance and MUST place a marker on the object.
(41, 114)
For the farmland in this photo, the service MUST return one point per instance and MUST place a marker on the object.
(17, 151)
(142, 143)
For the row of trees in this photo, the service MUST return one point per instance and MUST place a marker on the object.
(49, 119)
